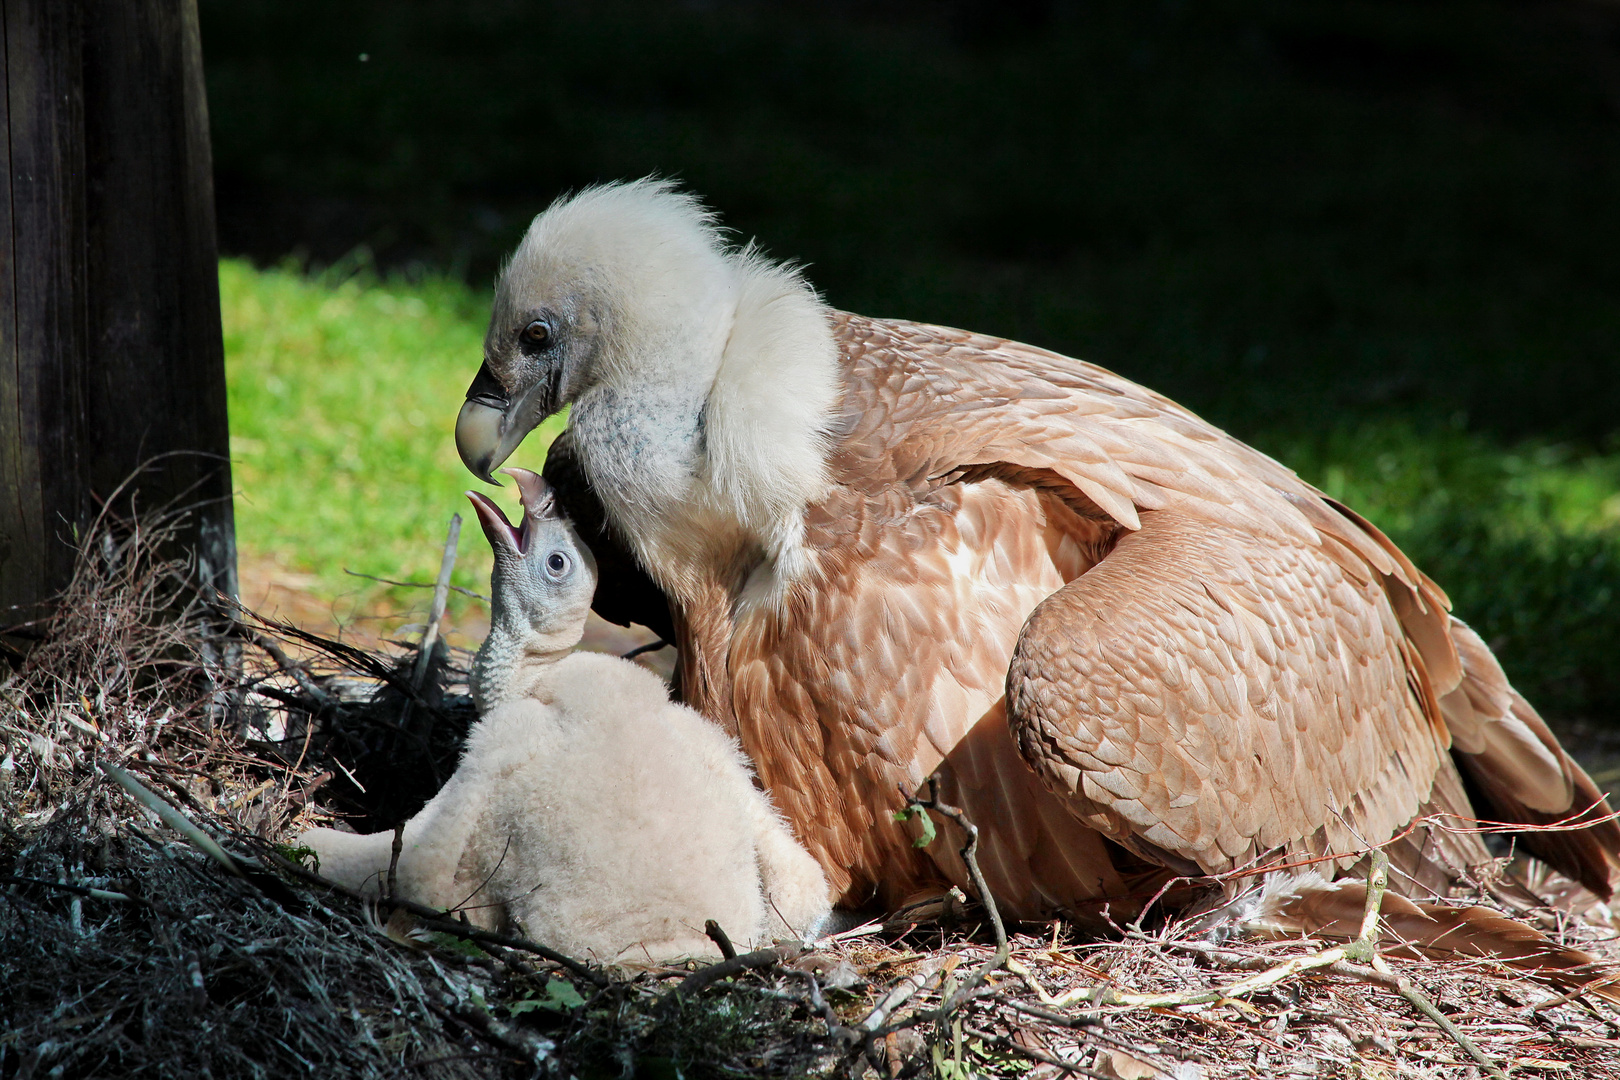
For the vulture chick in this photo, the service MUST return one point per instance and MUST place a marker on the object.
(588, 811)
(1128, 645)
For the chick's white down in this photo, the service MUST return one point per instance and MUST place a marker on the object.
(588, 812)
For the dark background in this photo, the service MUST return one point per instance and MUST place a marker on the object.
(1293, 217)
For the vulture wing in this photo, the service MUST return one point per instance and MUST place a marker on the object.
(1207, 696)
(1236, 664)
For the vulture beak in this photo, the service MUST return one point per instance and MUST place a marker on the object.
(491, 425)
(539, 504)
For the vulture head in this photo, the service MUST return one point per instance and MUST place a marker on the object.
(700, 376)
(544, 576)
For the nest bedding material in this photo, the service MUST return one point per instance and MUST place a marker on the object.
(125, 951)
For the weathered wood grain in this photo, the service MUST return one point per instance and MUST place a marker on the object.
(110, 344)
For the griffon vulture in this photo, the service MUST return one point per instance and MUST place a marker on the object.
(589, 810)
(1129, 645)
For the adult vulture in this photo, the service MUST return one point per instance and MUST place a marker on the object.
(1129, 645)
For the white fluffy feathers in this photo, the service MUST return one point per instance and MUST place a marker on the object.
(601, 819)
(725, 360)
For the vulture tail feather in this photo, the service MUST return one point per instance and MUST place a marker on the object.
(1309, 905)
(1518, 773)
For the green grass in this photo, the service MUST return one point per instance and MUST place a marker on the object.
(344, 389)
(1525, 539)
(343, 396)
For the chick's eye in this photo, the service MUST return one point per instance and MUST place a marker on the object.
(537, 332)
(556, 564)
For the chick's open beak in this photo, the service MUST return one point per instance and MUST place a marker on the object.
(500, 532)
(539, 501)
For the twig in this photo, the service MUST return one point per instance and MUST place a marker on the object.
(1420, 1001)
(901, 993)
(969, 856)
(1584, 988)
(761, 958)
(393, 858)
(441, 594)
(1033, 1054)
(463, 590)
(172, 817)
(528, 1045)
(286, 664)
(77, 890)
(728, 951)
(1091, 1024)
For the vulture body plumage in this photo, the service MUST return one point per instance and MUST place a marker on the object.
(1128, 645)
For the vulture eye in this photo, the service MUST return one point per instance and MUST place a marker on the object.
(556, 564)
(537, 333)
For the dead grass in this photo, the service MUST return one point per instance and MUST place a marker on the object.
(126, 951)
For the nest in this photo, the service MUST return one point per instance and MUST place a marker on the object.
(160, 747)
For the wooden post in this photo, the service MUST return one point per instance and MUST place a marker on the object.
(110, 344)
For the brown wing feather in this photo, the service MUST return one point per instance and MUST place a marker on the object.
(930, 402)
(966, 406)
(888, 667)
(1220, 696)
(1230, 662)
(1521, 774)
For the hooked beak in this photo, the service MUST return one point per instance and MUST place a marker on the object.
(539, 504)
(491, 425)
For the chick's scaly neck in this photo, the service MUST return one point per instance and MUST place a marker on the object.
(515, 658)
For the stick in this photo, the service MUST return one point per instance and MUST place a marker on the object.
(172, 817)
(728, 951)
(299, 674)
(1033, 1054)
(1420, 1001)
(393, 858)
(969, 856)
(441, 594)
(737, 964)
(76, 890)
(416, 584)
(528, 1045)
(901, 993)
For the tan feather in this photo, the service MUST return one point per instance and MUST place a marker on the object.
(1292, 906)
(1090, 612)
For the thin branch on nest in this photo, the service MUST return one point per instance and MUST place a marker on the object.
(1363, 950)
(717, 934)
(761, 958)
(969, 853)
(463, 590)
(441, 591)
